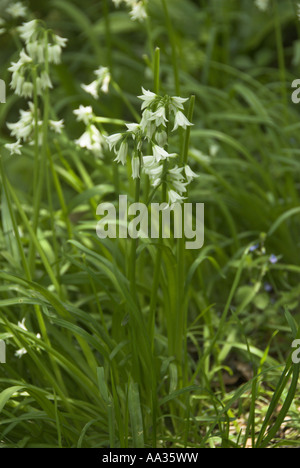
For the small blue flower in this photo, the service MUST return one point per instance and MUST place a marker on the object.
(273, 259)
(253, 247)
(268, 287)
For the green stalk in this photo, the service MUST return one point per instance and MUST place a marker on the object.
(156, 72)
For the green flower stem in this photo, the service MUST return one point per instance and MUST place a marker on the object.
(156, 72)
(109, 120)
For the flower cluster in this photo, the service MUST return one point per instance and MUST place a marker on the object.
(153, 130)
(41, 48)
(91, 139)
(30, 76)
(101, 83)
(138, 10)
(23, 130)
(15, 11)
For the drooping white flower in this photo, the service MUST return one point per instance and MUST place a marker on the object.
(17, 10)
(43, 82)
(28, 31)
(161, 154)
(176, 179)
(133, 127)
(190, 175)
(55, 48)
(22, 324)
(84, 114)
(24, 59)
(27, 89)
(60, 41)
(181, 121)
(177, 102)
(36, 50)
(103, 78)
(19, 84)
(148, 125)
(56, 125)
(135, 165)
(138, 12)
(138, 8)
(101, 83)
(174, 197)
(122, 153)
(148, 97)
(23, 128)
(84, 141)
(105, 84)
(113, 140)
(14, 148)
(159, 116)
(179, 185)
(91, 88)
(153, 169)
(91, 139)
(161, 138)
(20, 352)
